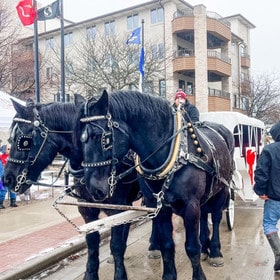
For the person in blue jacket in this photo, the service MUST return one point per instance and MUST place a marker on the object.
(267, 187)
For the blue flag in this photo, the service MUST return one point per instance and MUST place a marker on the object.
(141, 62)
(134, 37)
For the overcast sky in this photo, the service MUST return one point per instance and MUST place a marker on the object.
(265, 38)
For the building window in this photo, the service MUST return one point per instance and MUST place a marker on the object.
(233, 48)
(133, 57)
(157, 51)
(132, 22)
(68, 39)
(49, 73)
(156, 15)
(49, 43)
(69, 69)
(162, 88)
(182, 85)
(110, 27)
(91, 33)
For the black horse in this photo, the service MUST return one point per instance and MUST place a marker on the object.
(187, 168)
(38, 133)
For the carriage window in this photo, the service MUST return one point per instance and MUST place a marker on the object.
(110, 27)
(132, 22)
(91, 33)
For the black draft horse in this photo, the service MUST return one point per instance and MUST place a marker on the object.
(188, 168)
(38, 133)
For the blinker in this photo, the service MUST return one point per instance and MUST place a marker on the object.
(24, 143)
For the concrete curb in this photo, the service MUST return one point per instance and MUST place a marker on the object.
(41, 263)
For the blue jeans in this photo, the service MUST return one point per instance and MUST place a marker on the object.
(3, 194)
(271, 215)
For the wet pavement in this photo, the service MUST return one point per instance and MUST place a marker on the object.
(33, 230)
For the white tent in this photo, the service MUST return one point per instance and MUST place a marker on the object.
(7, 111)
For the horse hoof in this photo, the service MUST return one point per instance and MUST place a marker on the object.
(216, 262)
(154, 254)
(203, 257)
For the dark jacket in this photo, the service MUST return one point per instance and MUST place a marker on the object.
(191, 112)
(267, 179)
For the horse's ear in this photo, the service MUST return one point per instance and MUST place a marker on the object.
(22, 110)
(78, 99)
(102, 104)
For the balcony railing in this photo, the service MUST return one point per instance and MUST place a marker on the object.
(219, 56)
(218, 93)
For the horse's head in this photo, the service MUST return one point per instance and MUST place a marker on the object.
(38, 133)
(21, 141)
(105, 142)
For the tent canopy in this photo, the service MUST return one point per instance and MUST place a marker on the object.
(7, 111)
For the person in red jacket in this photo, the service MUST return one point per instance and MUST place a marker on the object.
(3, 191)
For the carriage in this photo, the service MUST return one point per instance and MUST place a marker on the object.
(249, 140)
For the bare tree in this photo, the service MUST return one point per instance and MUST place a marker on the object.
(263, 95)
(107, 62)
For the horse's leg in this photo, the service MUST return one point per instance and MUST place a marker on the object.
(163, 228)
(218, 205)
(204, 234)
(119, 235)
(92, 240)
(154, 248)
(191, 216)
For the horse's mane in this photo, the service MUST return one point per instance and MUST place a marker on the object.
(58, 115)
(127, 104)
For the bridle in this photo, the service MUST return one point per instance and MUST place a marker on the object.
(24, 142)
(107, 143)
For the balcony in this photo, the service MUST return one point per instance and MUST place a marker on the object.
(218, 64)
(245, 61)
(184, 61)
(218, 27)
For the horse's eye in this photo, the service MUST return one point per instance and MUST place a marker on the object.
(84, 136)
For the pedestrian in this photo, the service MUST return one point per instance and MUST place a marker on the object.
(3, 190)
(267, 187)
(190, 111)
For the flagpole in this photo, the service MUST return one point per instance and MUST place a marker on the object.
(142, 46)
(62, 68)
(36, 57)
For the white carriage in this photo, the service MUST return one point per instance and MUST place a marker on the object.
(249, 140)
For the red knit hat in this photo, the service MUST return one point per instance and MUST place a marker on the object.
(181, 94)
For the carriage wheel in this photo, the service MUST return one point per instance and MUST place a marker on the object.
(230, 210)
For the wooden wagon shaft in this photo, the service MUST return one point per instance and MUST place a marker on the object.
(109, 222)
(108, 206)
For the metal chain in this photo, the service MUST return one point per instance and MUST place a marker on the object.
(61, 213)
(152, 215)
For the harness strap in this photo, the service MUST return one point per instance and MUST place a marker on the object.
(169, 164)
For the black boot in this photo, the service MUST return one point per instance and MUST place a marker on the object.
(2, 205)
(274, 242)
(13, 203)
